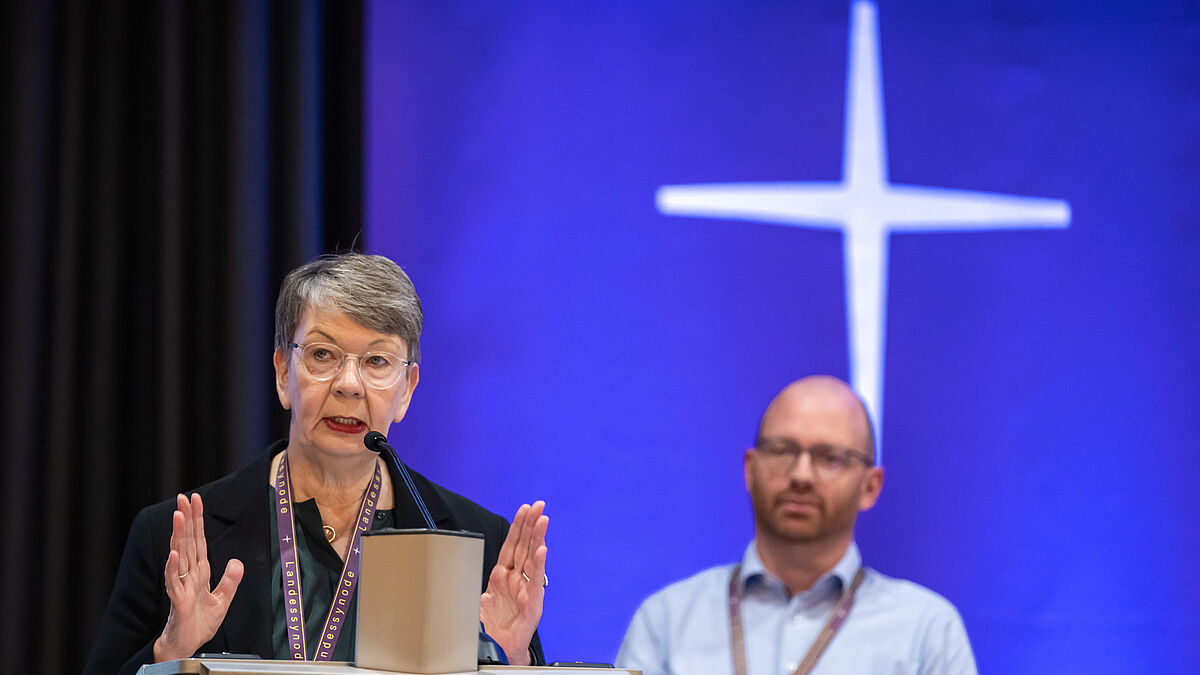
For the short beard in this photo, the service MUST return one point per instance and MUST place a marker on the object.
(764, 516)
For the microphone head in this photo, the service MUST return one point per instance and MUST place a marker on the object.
(375, 441)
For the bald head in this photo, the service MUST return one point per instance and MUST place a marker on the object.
(806, 478)
(820, 404)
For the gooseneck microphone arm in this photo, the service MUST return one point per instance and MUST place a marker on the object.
(377, 442)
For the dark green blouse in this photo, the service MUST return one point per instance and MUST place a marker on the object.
(320, 568)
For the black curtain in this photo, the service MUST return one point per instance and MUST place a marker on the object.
(164, 164)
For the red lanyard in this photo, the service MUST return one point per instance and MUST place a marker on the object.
(737, 639)
(293, 603)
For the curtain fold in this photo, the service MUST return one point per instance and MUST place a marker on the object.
(164, 165)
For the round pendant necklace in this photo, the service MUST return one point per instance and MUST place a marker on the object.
(330, 533)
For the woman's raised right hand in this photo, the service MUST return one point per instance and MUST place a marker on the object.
(196, 611)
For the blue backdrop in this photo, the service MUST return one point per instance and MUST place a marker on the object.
(583, 346)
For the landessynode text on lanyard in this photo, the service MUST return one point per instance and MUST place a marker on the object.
(293, 603)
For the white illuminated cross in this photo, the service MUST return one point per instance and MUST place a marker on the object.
(866, 208)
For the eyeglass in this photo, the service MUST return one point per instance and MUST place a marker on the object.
(378, 370)
(828, 462)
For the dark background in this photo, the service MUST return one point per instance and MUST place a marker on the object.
(164, 164)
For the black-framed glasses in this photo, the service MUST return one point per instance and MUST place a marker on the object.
(828, 461)
(378, 370)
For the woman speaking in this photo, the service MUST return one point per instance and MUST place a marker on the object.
(347, 348)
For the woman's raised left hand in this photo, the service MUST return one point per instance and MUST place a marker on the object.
(511, 606)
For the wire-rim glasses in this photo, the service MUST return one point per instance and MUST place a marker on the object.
(827, 461)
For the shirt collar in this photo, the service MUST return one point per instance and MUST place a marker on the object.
(753, 572)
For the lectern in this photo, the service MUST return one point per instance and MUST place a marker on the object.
(198, 666)
(418, 607)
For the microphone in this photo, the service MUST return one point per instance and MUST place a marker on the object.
(377, 442)
(488, 650)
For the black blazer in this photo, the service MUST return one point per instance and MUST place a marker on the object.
(237, 524)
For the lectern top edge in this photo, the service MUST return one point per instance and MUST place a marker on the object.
(455, 533)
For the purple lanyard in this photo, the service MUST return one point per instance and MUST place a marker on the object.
(293, 599)
(737, 638)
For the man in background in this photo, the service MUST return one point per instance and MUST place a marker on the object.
(801, 600)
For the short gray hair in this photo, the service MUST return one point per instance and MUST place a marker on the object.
(369, 289)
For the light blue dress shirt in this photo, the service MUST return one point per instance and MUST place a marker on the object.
(895, 627)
